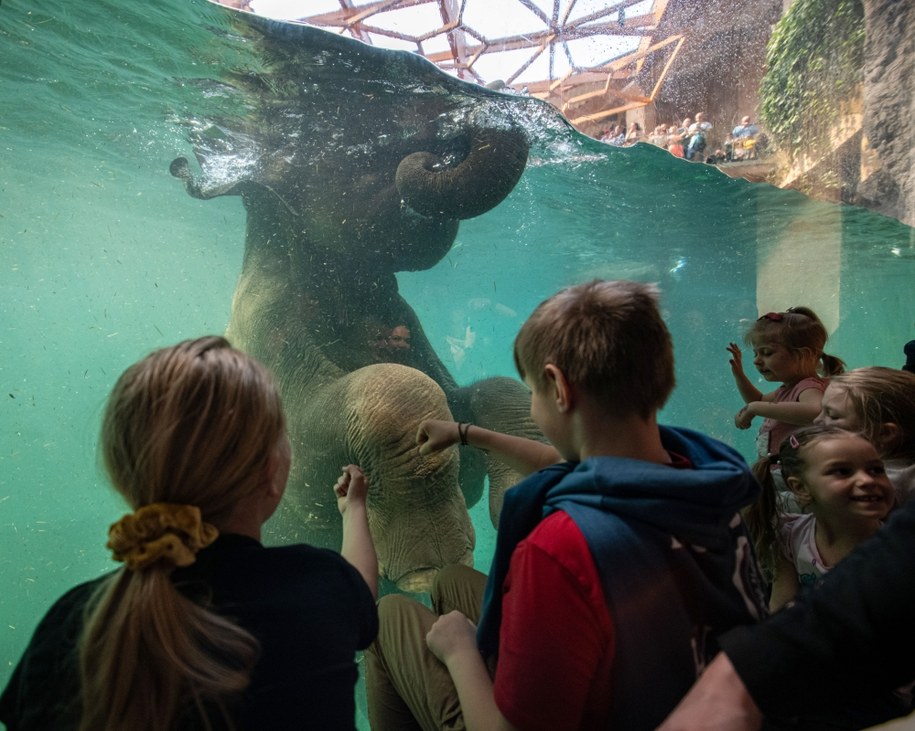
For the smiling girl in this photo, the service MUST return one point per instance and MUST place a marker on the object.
(879, 402)
(839, 477)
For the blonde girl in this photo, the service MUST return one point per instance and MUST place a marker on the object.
(839, 477)
(880, 403)
(787, 349)
(203, 627)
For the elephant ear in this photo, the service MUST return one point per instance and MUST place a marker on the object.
(478, 183)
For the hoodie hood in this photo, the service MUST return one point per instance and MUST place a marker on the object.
(696, 505)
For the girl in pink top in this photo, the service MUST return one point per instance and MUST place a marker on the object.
(839, 476)
(787, 349)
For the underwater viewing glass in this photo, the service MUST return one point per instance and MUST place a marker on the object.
(112, 246)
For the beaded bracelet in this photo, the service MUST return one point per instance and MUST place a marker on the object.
(463, 427)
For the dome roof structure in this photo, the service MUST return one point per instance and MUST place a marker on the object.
(591, 59)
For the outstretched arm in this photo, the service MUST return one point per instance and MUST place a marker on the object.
(521, 454)
(351, 489)
(846, 639)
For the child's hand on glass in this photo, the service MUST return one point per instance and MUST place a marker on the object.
(434, 435)
(351, 487)
(736, 360)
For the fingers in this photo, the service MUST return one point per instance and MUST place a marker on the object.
(351, 474)
(422, 436)
(341, 486)
(434, 435)
(425, 437)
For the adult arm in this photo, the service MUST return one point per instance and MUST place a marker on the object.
(351, 489)
(718, 701)
(851, 635)
(521, 454)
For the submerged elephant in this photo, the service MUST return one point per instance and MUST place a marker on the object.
(341, 192)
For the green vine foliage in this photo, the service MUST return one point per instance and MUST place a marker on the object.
(815, 64)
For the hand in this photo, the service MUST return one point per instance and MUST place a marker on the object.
(351, 487)
(452, 633)
(744, 418)
(434, 435)
(736, 360)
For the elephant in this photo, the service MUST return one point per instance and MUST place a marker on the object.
(338, 199)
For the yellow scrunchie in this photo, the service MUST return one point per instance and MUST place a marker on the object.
(166, 531)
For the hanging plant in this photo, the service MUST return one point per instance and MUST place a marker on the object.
(815, 63)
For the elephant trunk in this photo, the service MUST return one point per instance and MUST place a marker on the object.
(179, 169)
(478, 183)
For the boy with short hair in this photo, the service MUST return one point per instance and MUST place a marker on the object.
(614, 570)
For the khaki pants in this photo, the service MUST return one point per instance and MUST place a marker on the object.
(406, 686)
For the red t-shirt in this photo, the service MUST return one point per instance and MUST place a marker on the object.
(556, 642)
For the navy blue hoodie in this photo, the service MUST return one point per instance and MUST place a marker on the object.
(676, 565)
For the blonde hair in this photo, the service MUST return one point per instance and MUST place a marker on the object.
(195, 424)
(879, 396)
(801, 332)
(608, 338)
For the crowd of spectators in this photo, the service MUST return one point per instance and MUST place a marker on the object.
(692, 139)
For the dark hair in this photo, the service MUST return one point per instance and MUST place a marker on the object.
(608, 338)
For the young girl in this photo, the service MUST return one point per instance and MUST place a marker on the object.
(880, 403)
(787, 348)
(203, 627)
(840, 478)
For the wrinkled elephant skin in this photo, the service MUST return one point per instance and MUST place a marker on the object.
(317, 301)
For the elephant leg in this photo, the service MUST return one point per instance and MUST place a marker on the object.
(504, 405)
(417, 513)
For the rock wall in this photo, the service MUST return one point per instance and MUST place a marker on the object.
(720, 69)
(887, 151)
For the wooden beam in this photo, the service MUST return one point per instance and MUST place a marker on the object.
(611, 80)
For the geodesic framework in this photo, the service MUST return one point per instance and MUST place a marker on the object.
(592, 59)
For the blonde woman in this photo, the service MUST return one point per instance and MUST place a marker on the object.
(202, 627)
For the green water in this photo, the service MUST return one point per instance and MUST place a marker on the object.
(105, 257)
